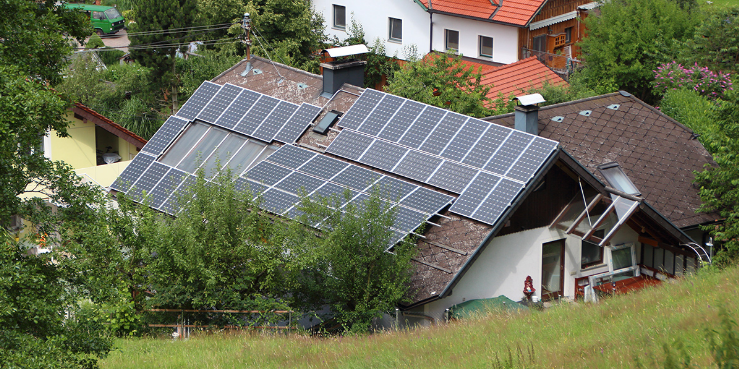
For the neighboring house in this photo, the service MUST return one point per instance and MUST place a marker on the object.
(518, 78)
(656, 153)
(499, 204)
(501, 31)
(97, 148)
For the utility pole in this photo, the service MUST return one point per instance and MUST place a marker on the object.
(246, 26)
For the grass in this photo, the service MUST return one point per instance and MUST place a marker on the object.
(610, 334)
(719, 3)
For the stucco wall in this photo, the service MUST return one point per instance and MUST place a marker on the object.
(373, 16)
(78, 149)
(505, 38)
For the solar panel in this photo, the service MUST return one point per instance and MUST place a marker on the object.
(323, 166)
(394, 189)
(417, 165)
(406, 115)
(277, 201)
(426, 201)
(231, 117)
(422, 127)
(474, 194)
(274, 122)
(383, 155)
(267, 173)
(497, 201)
(507, 155)
(164, 135)
(396, 237)
(166, 186)
(296, 125)
(356, 177)
(133, 171)
(452, 176)
(219, 103)
(291, 156)
(198, 100)
(378, 118)
(486, 146)
(297, 182)
(180, 195)
(531, 160)
(359, 202)
(242, 185)
(259, 112)
(349, 144)
(333, 191)
(465, 139)
(407, 220)
(148, 180)
(361, 109)
(443, 133)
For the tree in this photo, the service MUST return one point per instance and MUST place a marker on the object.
(352, 272)
(161, 27)
(629, 40)
(719, 190)
(443, 80)
(716, 41)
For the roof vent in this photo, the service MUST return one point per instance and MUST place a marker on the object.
(256, 71)
(613, 106)
(328, 120)
(302, 86)
(586, 112)
(558, 119)
(624, 93)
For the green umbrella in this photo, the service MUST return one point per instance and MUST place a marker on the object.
(479, 307)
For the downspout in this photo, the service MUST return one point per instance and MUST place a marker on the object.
(431, 30)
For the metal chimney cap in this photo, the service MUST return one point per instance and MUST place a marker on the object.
(530, 99)
(347, 50)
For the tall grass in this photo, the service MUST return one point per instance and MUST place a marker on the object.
(620, 332)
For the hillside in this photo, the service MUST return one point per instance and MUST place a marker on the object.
(611, 334)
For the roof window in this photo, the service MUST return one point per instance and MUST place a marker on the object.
(616, 177)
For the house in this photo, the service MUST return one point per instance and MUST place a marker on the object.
(502, 31)
(500, 203)
(618, 136)
(97, 148)
(517, 78)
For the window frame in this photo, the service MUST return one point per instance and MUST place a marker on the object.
(447, 32)
(568, 35)
(599, 233)
(391, 27)
(492, 43)
(336, 25)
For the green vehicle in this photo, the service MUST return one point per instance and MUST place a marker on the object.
(105, 19)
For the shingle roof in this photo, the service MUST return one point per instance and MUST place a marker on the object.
(519, 77)
(657, 153)
(515, 12)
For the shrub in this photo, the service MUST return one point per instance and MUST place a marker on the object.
(673, 75)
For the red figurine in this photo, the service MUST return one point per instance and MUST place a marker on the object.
(528, 288)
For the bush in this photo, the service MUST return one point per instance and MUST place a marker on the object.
(110, 56)
(693, 110)
(95, 42)
(673, 76)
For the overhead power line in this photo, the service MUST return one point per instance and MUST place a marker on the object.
(212, 27)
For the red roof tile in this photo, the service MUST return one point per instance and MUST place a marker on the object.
(516, 12)
(109, 125)
(519, 77)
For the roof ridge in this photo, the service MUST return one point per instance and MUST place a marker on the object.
(112, 123)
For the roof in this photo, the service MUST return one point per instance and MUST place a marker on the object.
(553, 20)
(282, 82)
(656, 152)
(514, 12)
(107, 124)
(519, 77)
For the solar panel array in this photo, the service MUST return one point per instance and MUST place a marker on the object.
(486, 164)
(248, 112)
(291, 172)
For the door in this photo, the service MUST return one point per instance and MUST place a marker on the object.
(552, 269)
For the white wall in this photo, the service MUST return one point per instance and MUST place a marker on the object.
(373, 16)
(505, 38)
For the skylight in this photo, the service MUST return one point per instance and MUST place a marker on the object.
(616, 177)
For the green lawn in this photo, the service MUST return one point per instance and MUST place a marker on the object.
(610, 334)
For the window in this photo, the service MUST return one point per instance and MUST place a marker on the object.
(451, 38)
(592, 254)
(568, 35)
(396, 29)
(540, 43)
(339, 16)
(486, 46)
(98, 15)
(617, 178)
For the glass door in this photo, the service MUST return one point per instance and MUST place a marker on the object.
(552, 269)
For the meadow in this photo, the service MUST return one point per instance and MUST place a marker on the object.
(641, 328)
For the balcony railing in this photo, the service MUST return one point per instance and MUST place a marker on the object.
(560, 64)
